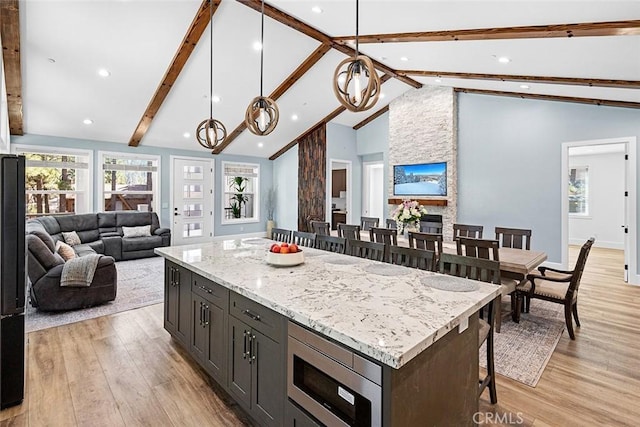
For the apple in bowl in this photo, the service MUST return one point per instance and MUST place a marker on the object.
(285, 254)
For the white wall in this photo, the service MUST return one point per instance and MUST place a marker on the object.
(606, 201)
(372, 145)
(285, 179)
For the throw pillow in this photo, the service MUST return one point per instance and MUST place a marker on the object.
(65, 250)
(71, 238)
(141, 231)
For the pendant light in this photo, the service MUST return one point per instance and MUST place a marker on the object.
(355, 81)
(211, 132)
(262, 113)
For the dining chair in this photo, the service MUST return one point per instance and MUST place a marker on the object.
(560, 287)
(302, 238)
(310, 219)
(391, 223)
(518, 238)
(331, 243)
(281, 235)
(349, 232)
(490, 249)
(320, 227)
(388, 236)
(363, 249)
(431, 227)
(411, 257)
(367, 222)
(485, 271)
(428, 241)
(465, 230)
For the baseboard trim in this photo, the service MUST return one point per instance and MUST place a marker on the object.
(599, 244)
(240, 236)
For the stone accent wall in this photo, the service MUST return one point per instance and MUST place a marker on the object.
(422, 129)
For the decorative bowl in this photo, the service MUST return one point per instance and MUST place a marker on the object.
(285, 260)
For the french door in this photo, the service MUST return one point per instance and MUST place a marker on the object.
(192, 200)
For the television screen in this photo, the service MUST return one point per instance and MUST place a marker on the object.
(425, 179)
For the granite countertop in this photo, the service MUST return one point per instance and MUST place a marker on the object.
(387, 312)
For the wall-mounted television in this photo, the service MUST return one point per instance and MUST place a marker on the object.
(423, 179)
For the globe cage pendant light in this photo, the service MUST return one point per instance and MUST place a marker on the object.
(262, 113)
(211, 132)
(355, 81)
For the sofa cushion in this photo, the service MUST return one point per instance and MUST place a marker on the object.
(107, 224)
(50, 224)
(140, 243)
(133, 219)
(65, 251)
(41, 252)
(97, 246)
(89, 235)
(36, 228)
(71, 238)
(140, 231)
(84, 249)
(80, 222)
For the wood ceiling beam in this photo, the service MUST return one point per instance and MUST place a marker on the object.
(188, 44)
(332, 115)
(10, 33)
(592, 101)
(279, 91)
(372, 117)
(591, 29)
(625, 84)
(314, 33)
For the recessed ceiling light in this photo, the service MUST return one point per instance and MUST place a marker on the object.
(215, 99)
(383, 58)
(524, 86)
(316, 9)
(87, 121)
(438, 80)
(53, 61)
(404, 58)
(102, 72)
(294, 117)
(260, 144)
(186, 135)
(257, 46)
(504, 60)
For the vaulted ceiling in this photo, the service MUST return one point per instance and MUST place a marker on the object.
(560, 49)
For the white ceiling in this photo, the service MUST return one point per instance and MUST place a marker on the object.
(136, 40)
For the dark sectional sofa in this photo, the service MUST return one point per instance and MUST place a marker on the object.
(99, 233)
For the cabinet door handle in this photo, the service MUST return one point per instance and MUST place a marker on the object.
(244, 345)
(254, 351)
(172, 276)
(207, 290)
(200, 313)
(178, 277)
(206, 316)
(251, 337)
(254, 316)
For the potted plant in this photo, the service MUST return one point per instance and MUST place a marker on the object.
(237, 200)
(270, 203)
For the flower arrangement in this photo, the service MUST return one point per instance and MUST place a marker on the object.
(408, 214)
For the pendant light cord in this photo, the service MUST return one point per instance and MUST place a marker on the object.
(262, 49)
(357, 19)
(211, 60)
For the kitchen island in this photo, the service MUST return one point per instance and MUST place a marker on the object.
(227, 306)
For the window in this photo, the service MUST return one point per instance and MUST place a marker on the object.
(240, 192)
(130, 183)
(579, 190)
(57, 181)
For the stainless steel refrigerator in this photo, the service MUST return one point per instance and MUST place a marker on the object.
(12, 279)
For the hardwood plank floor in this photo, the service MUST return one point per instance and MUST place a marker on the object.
(124, 369)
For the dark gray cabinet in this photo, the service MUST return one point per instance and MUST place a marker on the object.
(296, 417)
(177, 304)
(208, 333)
(256, 360)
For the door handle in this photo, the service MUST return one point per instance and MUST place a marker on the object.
(200, 313)
(176, 214)
(245, 353)
(205, 317)
(254, 316)
(253, 354)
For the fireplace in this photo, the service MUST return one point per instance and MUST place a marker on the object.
(431, 218)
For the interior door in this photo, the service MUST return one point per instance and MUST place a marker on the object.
(192, 208)
(373, 201)
(627, 248)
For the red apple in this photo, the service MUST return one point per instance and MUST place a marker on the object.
(275, 245)
(293, 248)
(284, 245)
(284, 250)
(275, 249)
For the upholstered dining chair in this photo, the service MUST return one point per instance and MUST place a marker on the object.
(331, 243)
(348, 231)
(320, 227)
(466, 230)
(363, 249)
(302, 238)
(391, 223)
(486, 271)
(281, 235)
(367, 223)
(428, 241)
(557, 286)
(489, 249)
(412, 257)
(518, 238)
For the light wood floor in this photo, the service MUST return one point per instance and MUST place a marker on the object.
(124, 370)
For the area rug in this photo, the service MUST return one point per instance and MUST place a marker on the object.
(522, 350)
(140, 283)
